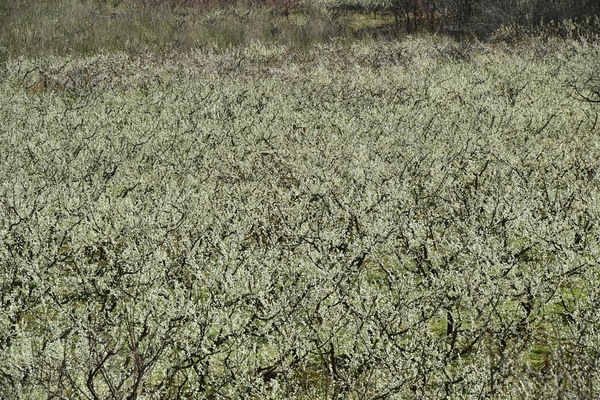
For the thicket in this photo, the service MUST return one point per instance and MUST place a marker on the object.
(280, 200)
(412, 219)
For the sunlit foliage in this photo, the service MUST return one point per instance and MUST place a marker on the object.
(414, 219)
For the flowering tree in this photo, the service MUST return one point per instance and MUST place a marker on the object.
(213, 225)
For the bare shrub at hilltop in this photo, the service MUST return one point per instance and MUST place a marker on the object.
(465, 18)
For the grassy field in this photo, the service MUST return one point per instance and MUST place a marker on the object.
(361, 219)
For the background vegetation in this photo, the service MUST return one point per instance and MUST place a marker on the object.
(84, 27)
(277, 201)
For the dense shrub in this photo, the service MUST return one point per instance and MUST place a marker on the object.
(383, 221)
